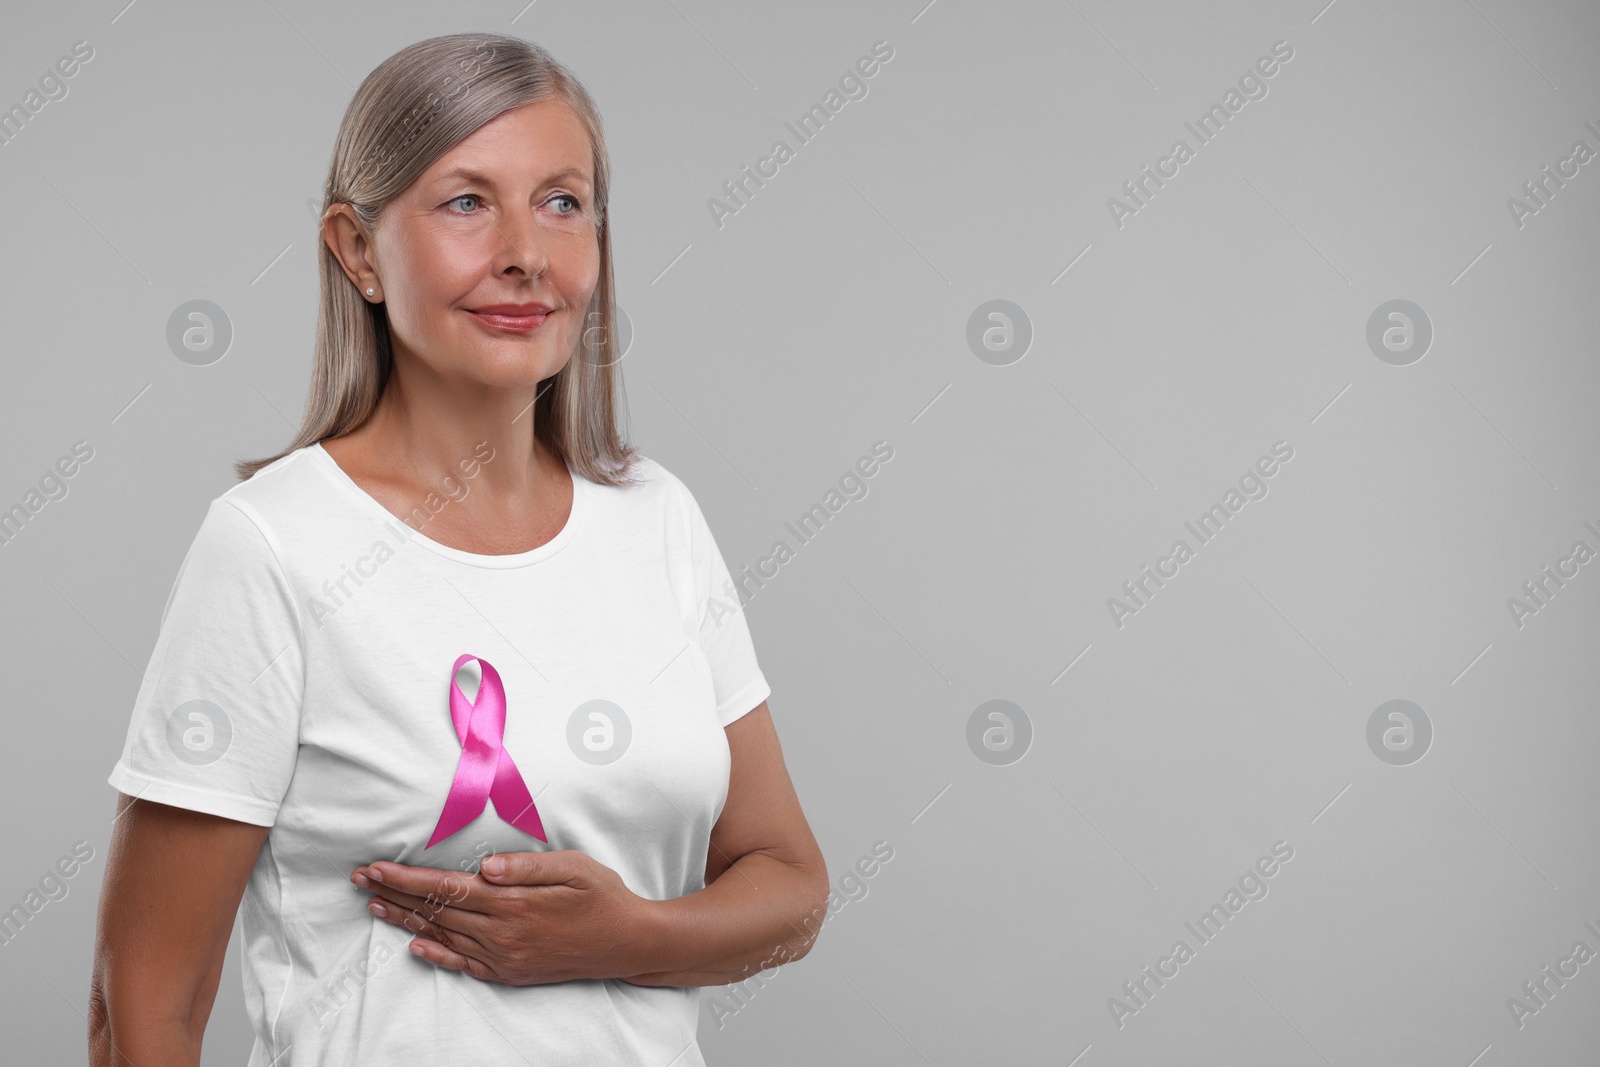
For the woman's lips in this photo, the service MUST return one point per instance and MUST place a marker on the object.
(510, 323)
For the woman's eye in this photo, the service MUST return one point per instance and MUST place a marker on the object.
(571, 200)
(465, 196)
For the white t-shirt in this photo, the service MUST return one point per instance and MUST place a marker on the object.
(301, 681)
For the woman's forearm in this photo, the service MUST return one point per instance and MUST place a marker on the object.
(129, 1037)
(144, 1044)
(761, 912)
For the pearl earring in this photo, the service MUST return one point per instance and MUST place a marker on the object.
(369, 292)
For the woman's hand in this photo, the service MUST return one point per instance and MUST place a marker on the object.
(525, 918)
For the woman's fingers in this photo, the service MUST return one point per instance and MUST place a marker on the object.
(446, 911)
(435, 953)
(422, 922)
(431, 906)
(465, 892)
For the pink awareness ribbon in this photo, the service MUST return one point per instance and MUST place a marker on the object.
(485, 771)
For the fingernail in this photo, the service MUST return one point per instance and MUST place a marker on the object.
(360, 880)
(375, 874)
(416, 948)
(377, 909)
(493, 865)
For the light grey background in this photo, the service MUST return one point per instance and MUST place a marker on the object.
(831, 312)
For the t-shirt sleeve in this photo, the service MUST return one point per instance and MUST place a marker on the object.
(216, 723)
(724, 632)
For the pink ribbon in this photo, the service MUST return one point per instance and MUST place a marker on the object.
(485, 771)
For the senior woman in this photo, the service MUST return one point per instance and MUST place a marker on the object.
(458, 671)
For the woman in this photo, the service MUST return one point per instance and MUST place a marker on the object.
(569, 833)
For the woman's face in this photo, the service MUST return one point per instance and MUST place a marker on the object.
(501, 222)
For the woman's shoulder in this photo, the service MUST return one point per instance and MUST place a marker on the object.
(241, 539)
(654, 496)
(289, 492)
(646, 482)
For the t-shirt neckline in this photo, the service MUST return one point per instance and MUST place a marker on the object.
(580, 499)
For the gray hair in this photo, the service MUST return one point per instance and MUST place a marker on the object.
(414, 107)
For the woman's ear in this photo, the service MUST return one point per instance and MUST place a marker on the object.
(351, 245)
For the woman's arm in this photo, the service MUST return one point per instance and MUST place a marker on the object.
(172, 885)
(766, 888)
